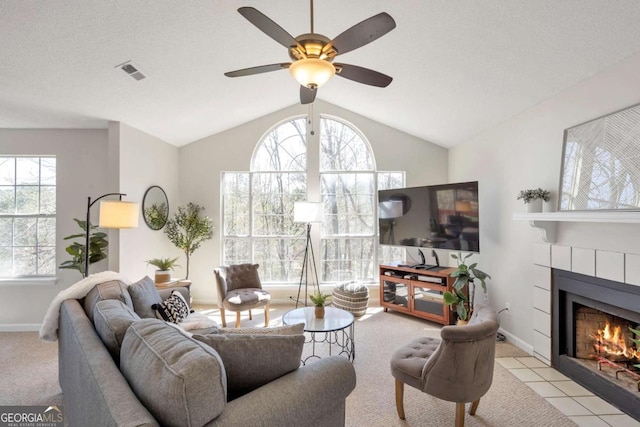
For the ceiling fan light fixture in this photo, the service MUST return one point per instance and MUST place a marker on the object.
(312, 72)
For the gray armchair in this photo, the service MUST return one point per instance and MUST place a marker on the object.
(240, 289)
(457, 368)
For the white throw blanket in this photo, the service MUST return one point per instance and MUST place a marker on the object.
(49, 329)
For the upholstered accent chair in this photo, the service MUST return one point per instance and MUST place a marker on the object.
(458, 367)
(240, 289)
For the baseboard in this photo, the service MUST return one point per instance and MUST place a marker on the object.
(20, 327)
(517, 341)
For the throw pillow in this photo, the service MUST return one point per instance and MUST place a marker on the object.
(143, 295)
(174, 309)
(179, 380)
(112, 318)
(252, 361)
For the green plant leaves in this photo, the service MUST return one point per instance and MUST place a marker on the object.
(97, 247)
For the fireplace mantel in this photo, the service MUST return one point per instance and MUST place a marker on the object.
(547, 222)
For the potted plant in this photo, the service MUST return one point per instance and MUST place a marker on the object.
(464, 287)
(97, 247)
(319, 300)
(188, 229)
(534, 198)
(164, 265)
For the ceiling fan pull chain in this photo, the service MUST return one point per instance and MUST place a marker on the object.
(310, 119)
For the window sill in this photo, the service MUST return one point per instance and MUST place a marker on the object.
(29, 281)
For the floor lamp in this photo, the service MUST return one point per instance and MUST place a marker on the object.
(113, 214)
(308, 213)
(389, 211)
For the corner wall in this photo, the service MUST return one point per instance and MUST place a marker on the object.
(81, 172)
(525, 152)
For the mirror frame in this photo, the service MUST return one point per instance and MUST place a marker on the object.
(146, 199)
(601, 167)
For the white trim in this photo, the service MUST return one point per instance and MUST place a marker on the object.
(620, 216)
(20, 327)
(517, 341)
(29, 281)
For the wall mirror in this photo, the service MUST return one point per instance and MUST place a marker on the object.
(601, 163)
(155, 207)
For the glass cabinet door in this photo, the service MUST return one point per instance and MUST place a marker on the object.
(396, 293)
(427, 301)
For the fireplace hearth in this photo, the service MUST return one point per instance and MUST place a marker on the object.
(593, 341)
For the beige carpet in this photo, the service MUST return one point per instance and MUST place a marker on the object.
(29, 376)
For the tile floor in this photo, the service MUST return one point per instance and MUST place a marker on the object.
(573, 400)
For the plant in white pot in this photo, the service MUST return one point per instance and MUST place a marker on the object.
(464, 288)
(534, 198)
(164, 265)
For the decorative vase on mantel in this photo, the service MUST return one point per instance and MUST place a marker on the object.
(534, 206)
(319, 312)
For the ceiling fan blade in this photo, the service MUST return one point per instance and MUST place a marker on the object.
(307, 96)
(362, 33)
(267, 26)
(257, 70)
(363, 75)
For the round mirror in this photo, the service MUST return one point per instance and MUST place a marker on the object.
(155, 207)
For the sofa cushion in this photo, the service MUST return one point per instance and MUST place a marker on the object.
(251, 361)
(113, 289)
(174, 309)
(296, 329)
(111, 318)
(143, 295)
(179, 380)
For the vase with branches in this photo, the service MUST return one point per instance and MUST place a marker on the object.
(188, 229)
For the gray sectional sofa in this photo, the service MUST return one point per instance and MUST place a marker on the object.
(118, 369)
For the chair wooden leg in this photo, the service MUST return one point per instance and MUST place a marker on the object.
(460, 414)
(474, 407)
(237, 319)
(400, 398)
(224, 319)
(266, 316)
(250, 316)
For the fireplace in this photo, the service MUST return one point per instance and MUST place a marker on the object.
(593, 339)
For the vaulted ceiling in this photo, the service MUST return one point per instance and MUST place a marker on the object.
(459, 67)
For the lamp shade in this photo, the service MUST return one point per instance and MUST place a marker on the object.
(312, 72)
(118, 214)
(390, 209)
(307, 212)
(463, 206)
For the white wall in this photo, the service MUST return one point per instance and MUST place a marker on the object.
(525, 152)
(202, 162)
(81, 172)
(145, 160)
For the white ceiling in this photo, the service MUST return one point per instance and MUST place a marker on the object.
(459, 67)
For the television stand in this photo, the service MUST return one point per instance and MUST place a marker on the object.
(417, 291)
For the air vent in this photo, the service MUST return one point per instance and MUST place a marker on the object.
(128, 68)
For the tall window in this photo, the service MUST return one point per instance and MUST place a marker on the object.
(27, 216)
(258, 205)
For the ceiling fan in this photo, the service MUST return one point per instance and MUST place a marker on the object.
(312, 54)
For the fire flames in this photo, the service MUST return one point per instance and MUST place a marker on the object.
(611, 343)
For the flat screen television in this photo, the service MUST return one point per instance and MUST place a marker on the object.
(434, 216)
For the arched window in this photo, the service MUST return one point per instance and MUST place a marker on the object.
(258, 205)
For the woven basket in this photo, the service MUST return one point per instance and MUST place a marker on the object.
(352, 297)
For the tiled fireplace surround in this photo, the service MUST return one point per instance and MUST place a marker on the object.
(620, 267)
(617, 266)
